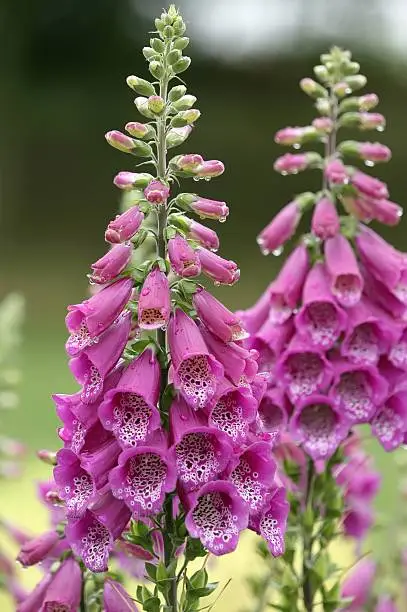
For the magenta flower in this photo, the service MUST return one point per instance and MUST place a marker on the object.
(130, 409)
(144, 475)
(110, 265)
(216, 516)
(254, 317)
(210, 169)
(358, 584)
(217, 318)
(189, 162)
(252, 473)
(183, 258)
(320, 319)
(120, 141)
(384, 211)
(294, 163)
(357, 391)
(74, 485)
(205, 236)
(336, 172)
(98, 461)
(209, 209)
(124, 226)
(270, 341)
(233, 409)
(289, 135)
(116, 598)
(240, 365)
(285, 291)
(386, 604)
(221, 271)
(342, 267)
(272, 416)
(271, 522)
(92, 366)
(369, 186)
(88, 320)
(358, 520)
(379, 294)
(33, 601)
(280, 229)
(389, 425)
(130, 180)
(367, 335)
(318, 426)
(37, 549)
(200, 453)
(195, 369)
(64, 591)
(303, 370)
(93, 535)
(398, 352)
(374, 151)
(154, 304)
(156, 192)
(325, 220)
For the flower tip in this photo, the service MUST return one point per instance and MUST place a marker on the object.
(48, 457)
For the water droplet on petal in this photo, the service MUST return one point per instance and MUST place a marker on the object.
(380, 128)
(296, 145)
(222, 219)
(277, 252)
(369, 163)
(217, 283)
(284, 173)
(196, 178)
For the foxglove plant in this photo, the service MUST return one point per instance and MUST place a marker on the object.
(330, 330)
(162, 453)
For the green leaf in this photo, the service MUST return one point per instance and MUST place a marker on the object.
(151, 570)
(153, 604)
(161, 573)
(199, 579)
(194, 549)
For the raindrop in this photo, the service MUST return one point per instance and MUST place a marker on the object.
(222, 219)
(369, 163)
(380, 128)
(196, 178)
(277, 252)
(296, 145)
(207, 178)
(164, 327)
(284, 173)
(295, 171)
(217, 283)
(400, 212)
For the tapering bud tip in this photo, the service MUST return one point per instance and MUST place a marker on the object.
(141, 86)
(47, 456)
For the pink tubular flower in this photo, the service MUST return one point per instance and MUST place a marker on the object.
(303, 370)
(36, 550)
(210, 169)
(74, 485)
(232, 411)
(93, 535)
(88, 320)
(112, 264)
(252, 473)
(199, 452)
(389, 425)
(320, 318)
(318, 426)
(289, 135)
(189, 162)
(254, 317)
(92, 366)
(270, 341)
(293, 163)
(398, 352)
(216, 516)
(221, 271)
(209, 209)
(342, 267)
(369, 186)
(120, 141)
(156, 192)
(33, 602)
(285, 291)
(183, 258)
(280, 229)
(336, 172)
(124, 226)
(371, 121)
(368, 101)
(64, 590)
(130, 409)
(98, 461)
(358, 584)
(116, 598)
(273, 412)
(195, 369)
(205, 236)
(374, 151)
(325, 220)
(384, 211)
(217, 318)
(271, 522)
(144, 475)
(357, 391)
(386, 604)
(131, 180)
(154, 303)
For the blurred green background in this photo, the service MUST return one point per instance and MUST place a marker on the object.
(63, 86)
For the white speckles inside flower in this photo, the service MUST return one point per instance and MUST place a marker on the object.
(143, 488)
(388, 427)
(317, 423)
(198, 383)
(196, 459)
(363, 345)
(322, 323)
(80, 339)
(304, 374)
(92, 386)
(227, 416)
(271, 532)
(347, 289)
(215, 522)
(355, 396)
(95, 546)
(131, 418)
(248, 485)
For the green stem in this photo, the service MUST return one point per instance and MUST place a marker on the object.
(307, 590)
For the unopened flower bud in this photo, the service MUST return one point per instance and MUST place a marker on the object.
(369, 151)
(179, 26)
(292, 164)
(157, 44)
(156, 69)
(321, 72)
(281, 228)
(184, 103)
(188, 163)
(336, 172)
(177, 92)
(124, 226)
(120, 141)
(177, 136)
(368, 101)
(210, 169)
(221, 271)
(156, 192)
(372, 121)
(156, 104)
(47, 456)
(356, 82)
(168, 32)
(351, 68)
(174, 56)
(313, 89)
(341, 89)
(185, 117)
(140, 130)
(325, 220)
(323, 106)
(182, 65)
(181, 43)
(130, 180)
(159, 24)
(323, 124)
(141, 86)
(150, 54)
(37, 549)
(295, 135)
(142, 107)
(204, 207)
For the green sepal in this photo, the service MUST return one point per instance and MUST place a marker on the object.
(141, 86)
(176, 93)
(181, 43)
(194, 549)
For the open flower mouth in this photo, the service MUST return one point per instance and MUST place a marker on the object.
(143, 483)
(197, 459)
(348, 289)
(321, 323)
(355, 395)
(131, 419)
(304, 373)
(249, 485)
(228, 416)
(317, 424)
(197, 380)
(92, 386)
(363, 345)
(152, 318)
(216, 524)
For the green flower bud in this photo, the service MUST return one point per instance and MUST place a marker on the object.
(156, 69)
(313, 89)
(323, 106)
(356, 82)
(176, 136)
(142, 107)
(341, 89)
(156, 104)
(179, 26)
(351, 68)
(168, 32)
(141, 86)
(184, 103)
(141, 149)
(167, 18)
(179, 221)
(174, 56)
(185, 118)
(321, 73)
(184, 200)
(182, 65)
(159, 24)
(157, 44)
(181, 43)
(150, 54)
(349, 147)
(305, 200)
(176, 93)
(140, 130)
(172, 12)
(350, 120)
